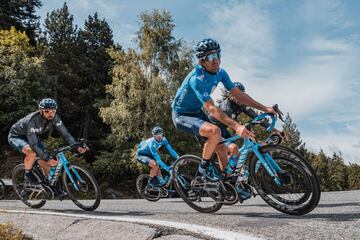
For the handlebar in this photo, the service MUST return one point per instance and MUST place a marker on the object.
(81, 143)
(263, 117)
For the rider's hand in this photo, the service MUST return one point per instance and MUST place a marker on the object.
(244, 133)
(271, 110)
(81, 149)
(53, 162)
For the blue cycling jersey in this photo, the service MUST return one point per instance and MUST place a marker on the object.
(150, 148)
(196, 89)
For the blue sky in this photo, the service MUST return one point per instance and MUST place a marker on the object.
(303, 55)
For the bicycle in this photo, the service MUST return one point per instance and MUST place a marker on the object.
(80, 185)
(153, 194)
(2, 189)
(281, 176)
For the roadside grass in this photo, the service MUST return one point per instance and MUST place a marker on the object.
(9, 232)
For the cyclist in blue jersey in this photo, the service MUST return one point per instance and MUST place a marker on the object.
(194, 95)
(232, 108)
(147, 153)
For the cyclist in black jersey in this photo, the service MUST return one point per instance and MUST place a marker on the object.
(24, 137)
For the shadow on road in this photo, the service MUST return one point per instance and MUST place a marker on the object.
(101, 213)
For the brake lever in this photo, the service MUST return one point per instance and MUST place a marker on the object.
(280, 113)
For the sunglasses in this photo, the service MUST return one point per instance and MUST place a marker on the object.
(49, 111)
(212, 57)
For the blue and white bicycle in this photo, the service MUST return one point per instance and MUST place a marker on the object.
(281, 176)
(78, 182)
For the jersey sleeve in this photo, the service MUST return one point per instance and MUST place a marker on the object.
(225, 79)
(157, 157)
(34, 141)
(63, 131)
(200, 91)
(170, 149)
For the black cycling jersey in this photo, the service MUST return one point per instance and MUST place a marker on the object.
(33, 125)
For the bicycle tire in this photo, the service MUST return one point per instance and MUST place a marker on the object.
(2, 190)
(141, 187)
(184, 193)
(274, 196)
(84, 187)
(19, 185)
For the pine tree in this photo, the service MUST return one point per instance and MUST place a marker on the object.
(21, 15)
(293, 135)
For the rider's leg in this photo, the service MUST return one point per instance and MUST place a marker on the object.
(154, 171)
(232, 150)
(222, 156)
(213, 135)
(30, 157)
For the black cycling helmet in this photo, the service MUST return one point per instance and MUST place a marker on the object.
(240, 86)
(157, 130)
(206, 45)
(47, 103)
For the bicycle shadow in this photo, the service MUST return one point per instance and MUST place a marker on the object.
(101, 213)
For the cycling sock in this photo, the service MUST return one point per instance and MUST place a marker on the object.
(28, 172)
(205, 163)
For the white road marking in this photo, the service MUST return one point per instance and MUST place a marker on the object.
(205, 231)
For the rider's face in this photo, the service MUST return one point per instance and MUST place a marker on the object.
(159, 137)
(211, 62)
(48, 114)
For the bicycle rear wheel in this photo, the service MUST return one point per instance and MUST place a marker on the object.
(299, 191)
(86, 194)
(196, 193)
(32, 196)
(145, 191)
(2, 189)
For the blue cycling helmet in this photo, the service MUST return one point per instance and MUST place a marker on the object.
(47, 103)
(157, 130)
(205, 46)
(240, 86)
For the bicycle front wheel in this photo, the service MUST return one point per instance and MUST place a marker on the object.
(2, 189)
(196, 193)
(83, 190)
(297, 193)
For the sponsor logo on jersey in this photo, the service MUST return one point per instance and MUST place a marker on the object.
(35, 130)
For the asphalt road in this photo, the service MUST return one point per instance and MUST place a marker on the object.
(336, 217)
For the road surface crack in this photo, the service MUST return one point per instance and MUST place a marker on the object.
(166, 231)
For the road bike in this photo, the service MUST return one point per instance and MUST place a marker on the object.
(154, 193)
(77, 183)
(281, 176)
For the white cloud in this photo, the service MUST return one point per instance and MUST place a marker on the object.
(319, 88)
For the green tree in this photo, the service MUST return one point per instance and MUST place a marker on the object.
(321, 165)
(293, 135)
(22, 79)
(21, 15)
(337, 173)
(354, 176)
(143, 85)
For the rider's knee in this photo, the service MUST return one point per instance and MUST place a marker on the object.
(153, 164)
(233, 149)
(29, 152)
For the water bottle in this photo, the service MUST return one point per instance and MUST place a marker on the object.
(51, 173)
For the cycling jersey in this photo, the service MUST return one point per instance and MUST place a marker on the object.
(33, 125)
(196, 89)
(150, 148)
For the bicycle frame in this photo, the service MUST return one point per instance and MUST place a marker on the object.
(64, 163)
(251, 146)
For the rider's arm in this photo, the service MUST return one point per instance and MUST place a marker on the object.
(170, 149)
(63, 131)
(34, 141)
(243, 98)
(158, 159)
(220, 115)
